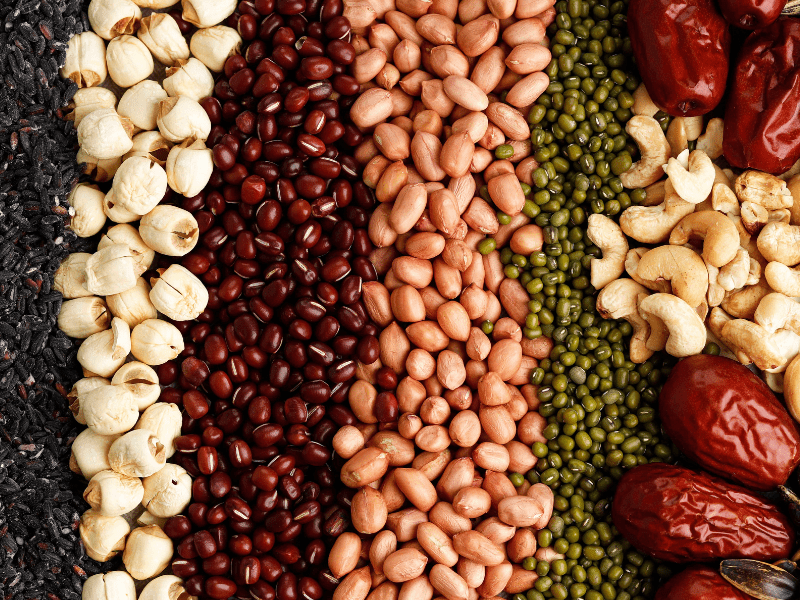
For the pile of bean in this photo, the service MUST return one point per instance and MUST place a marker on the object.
(283, 251)
(41, 554)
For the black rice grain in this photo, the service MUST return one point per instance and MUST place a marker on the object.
(41, 557)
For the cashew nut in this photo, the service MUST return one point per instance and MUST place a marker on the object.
(763, 189)
(754, 217)
(742, 303)
(642, 103)
(716, 293)
(606, 235)
(711, 141)
(754, 271)
(653, 144)
(681, 131)
(682, 267)
(655, 194)
(783, 279)
(687, 333)
(720, 177)
(693, 184)
(618, 300)
(653, 224)
(719, 235)
(716, 321)
(776, 311)
(779, 215)
(746, 336)
(632, 268)
(724, 200)
(780, 242)
(734, 275)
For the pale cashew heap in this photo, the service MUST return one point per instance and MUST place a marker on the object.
(722, 261)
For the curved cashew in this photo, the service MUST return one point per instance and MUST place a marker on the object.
(681, 131)
(742, 303)
(745, 336)
(642, 103)
(788, 344)
(716, 321)
(719, 235)
(734, 275)
(716, 293)
(606, 235)
(776, 311)
(632, 268)
(658, 331)
(655, 194)
(791, 387)
(763, 189)
(783, 279)
(618, 300)
(780, 242)
(711, 141)
(687, 333)
(647, 133)
(653, 224)
(682, 267)
(693, 184)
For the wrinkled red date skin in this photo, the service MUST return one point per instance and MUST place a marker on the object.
(699, 582)
(762, 119)
(675, 514)
(724, 418)
(751, 14)
(682, 48)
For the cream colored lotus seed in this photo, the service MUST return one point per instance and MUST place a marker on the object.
(181, 118)
(168, 492)
(114, 585)
(166, 587)
(142, 381)
(179, 294)
(138, 453)
(169, 230)
(105, 134)
(112, 494)
(189, 78)
(133, 306)
(155, 342)
(89, 453)
(82, 317)
(162, 36)
(103, 537)
(148, 551)
(207, 13)
(139, 185)
(79, 391)
(214, 45)
(88, 217)
(111, 270)
(110, 410)
(164, 420)
(129, 61)
(85, 63)
(189, 168)
(152, 145)
(70, 277)
(123, 233)
(88, 100)
(100, 170)
(111, 18)
(105, 352)
(140, 104)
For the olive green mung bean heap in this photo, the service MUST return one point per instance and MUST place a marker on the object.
(601, 408)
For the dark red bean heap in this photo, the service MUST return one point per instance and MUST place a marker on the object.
(283, 250)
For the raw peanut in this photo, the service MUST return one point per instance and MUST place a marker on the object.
(410, 395)
(435, 410)
(414, 8)
(464, 190)
(497, 423)
(506, 231)
(475, 124)
(449, 583)
(493, 391)
(488, 71)
(528, 89)
(425, 245)
(457, 475)
(434, 97)
(406, 56)
(419, 588)
(450, 370)
(492, 139)
(499, 487)
(399, 450)
(465, 93)
(457, 254)
(387, 78)
(374, 170)
(491, 456)
(477, 36)
(510, 121)
(478, 344)
(444, 212)
(448, 8)
(478, 548)
(520, 511)
(471, 502)
(420, 364)
(448, 520)
(522, 459)
(412, 83)
(382, 36)
(518, 407)
(344, 554)
(404, 565)
(433, 300)
(403, 25)
(380, 232)
(432, 464)
(544, 495)
(465, 429)
(407, 305)
(383, 544)
(360, 14)
(521, 580)
(474, 300)
(506, 193)
(522, 545)
(498, 167)
(496, 579)
(514, 299)
(408, 207)
(525, 169)
(505, 358)
(497, 531)
(437, 544)
(426, 152)
(528, 58)
(437, 29)
(448, 280)
(527, 240)
(372, 107)
(502, 9)
(391, 493)
(428, 335)
(448, 60)
(408, 425)
(429, 121)
(355, 586)
(368, 510)
(526, 31)
(475, 276)
(432, 438)
(475, 370)
(454, 321)
(413, 271)
(348, 441)
(480, 217)
(370, 464)
(530, 8)
(404, 523)
(385, 591)
(493, 308)
(506, 329)
(401, 103)
(416, 487)
(377, 302)
(472, 572)
(367, 65)
(457, 153)
(393, 141)
(362, 396)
